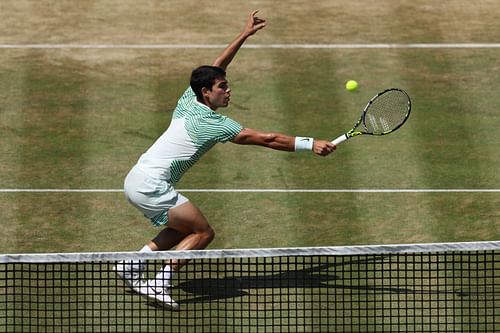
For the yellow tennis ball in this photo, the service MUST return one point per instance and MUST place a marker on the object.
(351, 85)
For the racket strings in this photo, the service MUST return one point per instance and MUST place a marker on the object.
(386, 112)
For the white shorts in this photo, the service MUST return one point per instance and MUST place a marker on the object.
(153, 197)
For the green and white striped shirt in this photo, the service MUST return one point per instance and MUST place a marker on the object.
(194, 129)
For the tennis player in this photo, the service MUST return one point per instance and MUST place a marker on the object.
(194, 129)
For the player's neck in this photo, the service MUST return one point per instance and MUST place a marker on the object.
(207, 104)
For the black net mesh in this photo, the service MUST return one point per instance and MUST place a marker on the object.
(452, 291)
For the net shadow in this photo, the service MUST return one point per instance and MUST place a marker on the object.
(320, 276)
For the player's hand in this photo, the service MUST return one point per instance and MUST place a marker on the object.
(323, 148)
(254, 23)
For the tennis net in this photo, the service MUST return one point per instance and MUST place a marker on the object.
(444, 287)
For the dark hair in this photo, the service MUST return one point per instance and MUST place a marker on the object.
(205, 76)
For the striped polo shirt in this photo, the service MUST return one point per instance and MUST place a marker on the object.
(194, 129)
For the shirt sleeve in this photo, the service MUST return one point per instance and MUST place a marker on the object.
(229, 129)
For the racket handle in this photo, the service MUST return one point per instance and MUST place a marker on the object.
(340, 139)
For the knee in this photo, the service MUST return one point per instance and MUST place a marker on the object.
(209, 234)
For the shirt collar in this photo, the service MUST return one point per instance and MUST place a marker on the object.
(203, 106)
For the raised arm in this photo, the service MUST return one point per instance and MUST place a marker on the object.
(253, 25)
(279, 141)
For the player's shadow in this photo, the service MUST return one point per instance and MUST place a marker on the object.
(319, 276)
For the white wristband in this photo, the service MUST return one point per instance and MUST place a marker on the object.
(302, 143)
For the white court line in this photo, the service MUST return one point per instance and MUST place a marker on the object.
(257, 46)
(263, 190)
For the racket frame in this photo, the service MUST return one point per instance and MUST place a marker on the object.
(352, 133)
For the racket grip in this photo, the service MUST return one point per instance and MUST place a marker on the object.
(340, 139)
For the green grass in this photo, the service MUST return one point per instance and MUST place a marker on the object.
(69, 124)
(80, 118)
(312, 294)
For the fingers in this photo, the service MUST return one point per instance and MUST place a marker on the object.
(256, 18)
(324, 148)
(259, 26)
(256, 22)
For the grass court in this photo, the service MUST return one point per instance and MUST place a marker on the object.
(87, 86)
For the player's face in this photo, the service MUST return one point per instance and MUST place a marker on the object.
(220, 94)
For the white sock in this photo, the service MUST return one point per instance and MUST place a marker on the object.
(164, 276)
(136, 265)
(146, 249)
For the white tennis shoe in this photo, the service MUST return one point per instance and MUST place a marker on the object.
(153, 290)
(131, 272)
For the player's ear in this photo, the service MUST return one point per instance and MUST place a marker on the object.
(205, 91)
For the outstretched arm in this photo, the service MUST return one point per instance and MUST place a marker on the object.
(278, 141)
(253, 25)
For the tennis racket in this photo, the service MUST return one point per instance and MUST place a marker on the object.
(385, 112)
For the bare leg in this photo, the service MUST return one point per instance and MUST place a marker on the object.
(188, 228)
(166, 239)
